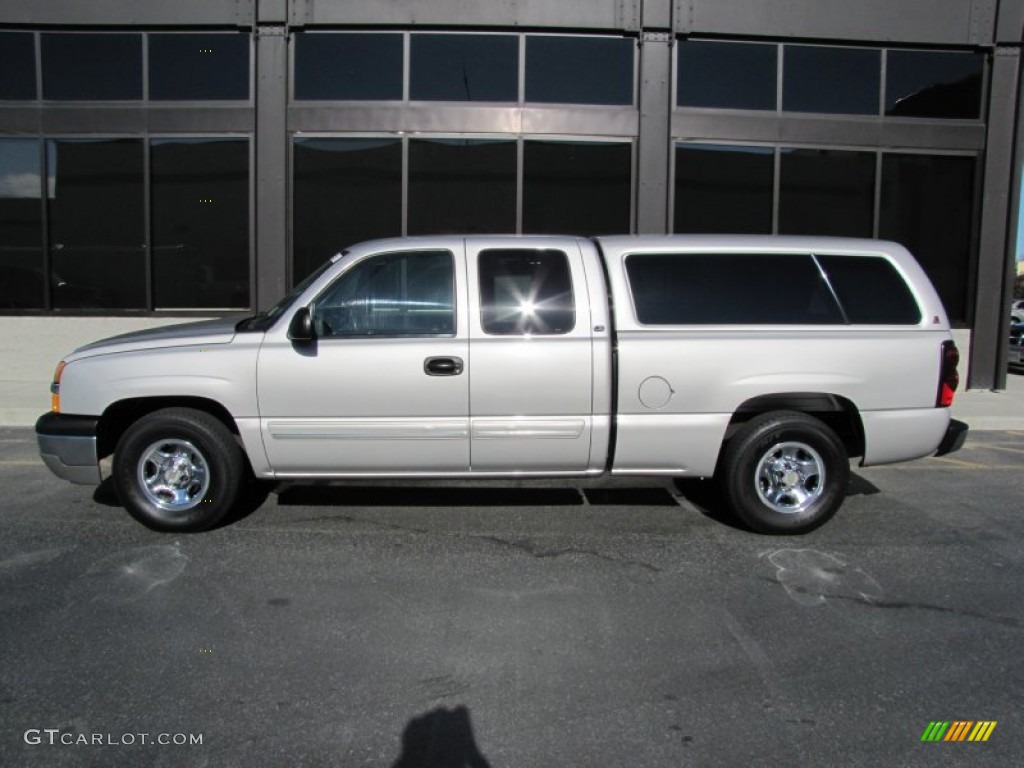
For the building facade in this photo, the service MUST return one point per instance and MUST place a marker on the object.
(204, 155)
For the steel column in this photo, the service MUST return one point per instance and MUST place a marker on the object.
(988, 341)
(271, 164)
(654, 145)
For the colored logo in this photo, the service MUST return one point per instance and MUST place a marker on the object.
(958, 730)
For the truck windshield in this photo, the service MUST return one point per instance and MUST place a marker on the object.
(261, 321)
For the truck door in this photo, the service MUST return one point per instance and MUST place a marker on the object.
(531, 352)
(384, 387)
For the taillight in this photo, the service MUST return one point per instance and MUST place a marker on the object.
(949, 379)
(55, 387)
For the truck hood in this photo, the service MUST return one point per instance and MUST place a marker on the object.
(203, 332)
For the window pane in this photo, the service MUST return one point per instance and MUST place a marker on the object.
(21, 225)
(827, 192)
(18, 65)
(871, 290)
(526, 292)
(201, 67)
(724, 189)
(843, 81)
(729, 288)
(92, 66)
(461, 185)
(933, 84)
(464, 68)
(345, 191)
(200, 221)
(928, 206)
(397, 294)
(578, 188)
(95, 208)
(579, 70)
(726, 75)
(348, 66)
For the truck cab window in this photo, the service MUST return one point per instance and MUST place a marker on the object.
(526, 292)
(396, 294)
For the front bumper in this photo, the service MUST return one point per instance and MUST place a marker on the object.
(954, 438)
(67, 445)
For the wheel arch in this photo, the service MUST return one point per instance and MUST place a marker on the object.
(836, 411)
(119, 416)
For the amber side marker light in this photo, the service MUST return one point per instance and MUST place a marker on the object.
(55, 387)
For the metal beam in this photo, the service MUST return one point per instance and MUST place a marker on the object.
(311, 117)
(952, 22)
(568, 14)
(129, 13)
(776, 128)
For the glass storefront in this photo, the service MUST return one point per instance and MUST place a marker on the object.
(391, 131)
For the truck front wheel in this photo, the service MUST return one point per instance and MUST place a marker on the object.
(178, 470)
(784, 472)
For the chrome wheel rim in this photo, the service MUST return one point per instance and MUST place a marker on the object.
(790, 477)
(173, 475)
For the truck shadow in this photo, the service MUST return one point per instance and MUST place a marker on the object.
(252, 497)
(441, 738)
(449, 496)
(424, 496)
(705, 496)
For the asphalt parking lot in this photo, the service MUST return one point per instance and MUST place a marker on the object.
(618, 624)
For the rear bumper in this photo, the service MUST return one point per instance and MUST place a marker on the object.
(67, 445)
(954, 438)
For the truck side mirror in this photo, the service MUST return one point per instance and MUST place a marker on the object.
(300, 329)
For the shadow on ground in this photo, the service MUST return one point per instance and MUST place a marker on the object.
(442, 738)
(706, 497)
(434, 496)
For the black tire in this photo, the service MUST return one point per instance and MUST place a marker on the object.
(178, 470)
(784, 473)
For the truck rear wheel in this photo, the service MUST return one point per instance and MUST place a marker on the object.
(784, 472)
(178, 470)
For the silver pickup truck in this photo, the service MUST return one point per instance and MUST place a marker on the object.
(766, 362)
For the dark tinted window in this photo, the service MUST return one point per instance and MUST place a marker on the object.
(729, 288)
(92, 66)
(579, 70)
(200, 223)
(526, 292)
(345, 191)
(933, 84)
(97, 238)
(928, 205)
(461, 185)
(18, 65)
(727, 75)
(464, 68)
(581, 188)
(870, 290)
(346, 66)
(832, 80)
(827, 192)
(397, 294)
(724, 189)
(199, 66)
(21, 225)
